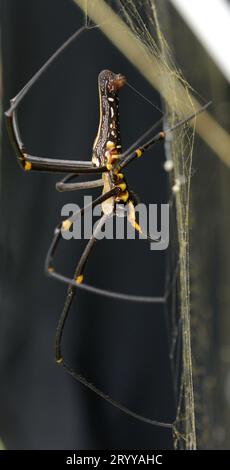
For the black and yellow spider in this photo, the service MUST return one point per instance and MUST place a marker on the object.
(107, 160)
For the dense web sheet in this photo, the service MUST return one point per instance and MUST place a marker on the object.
(140, 24)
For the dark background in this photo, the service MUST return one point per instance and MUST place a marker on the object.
(121, 347)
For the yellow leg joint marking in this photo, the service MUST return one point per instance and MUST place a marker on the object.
(66, 224)
(50, 269)
(119, 176)
(28, 166)
(59, 361)
(139, 153)
(122, 186)
(124, 197)
(79, 279)
(109, 166)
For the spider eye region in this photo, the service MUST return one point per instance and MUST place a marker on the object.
(110, 82)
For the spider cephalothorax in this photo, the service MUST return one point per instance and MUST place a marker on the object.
(108, 142)
(110, 82)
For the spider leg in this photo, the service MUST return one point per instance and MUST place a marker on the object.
(141, 138)
(131, 216)
(19, 97)
(125, 159)
(65, 225)
(35, 163)
(106, 292)
(30, 162)
(61, 186)
(78, 275)
(50, 271)
(67, 179)
(59, 166)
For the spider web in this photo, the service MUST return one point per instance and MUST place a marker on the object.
(145, 22)
(142, 22)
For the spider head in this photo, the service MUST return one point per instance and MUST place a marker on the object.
(110, 82)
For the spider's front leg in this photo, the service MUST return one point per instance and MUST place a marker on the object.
(29, 162)
(36, 163)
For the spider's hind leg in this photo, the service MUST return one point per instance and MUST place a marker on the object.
(65, 225)
(78, 276)
(60, 328)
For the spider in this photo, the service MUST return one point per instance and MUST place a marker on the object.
(109, 161)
